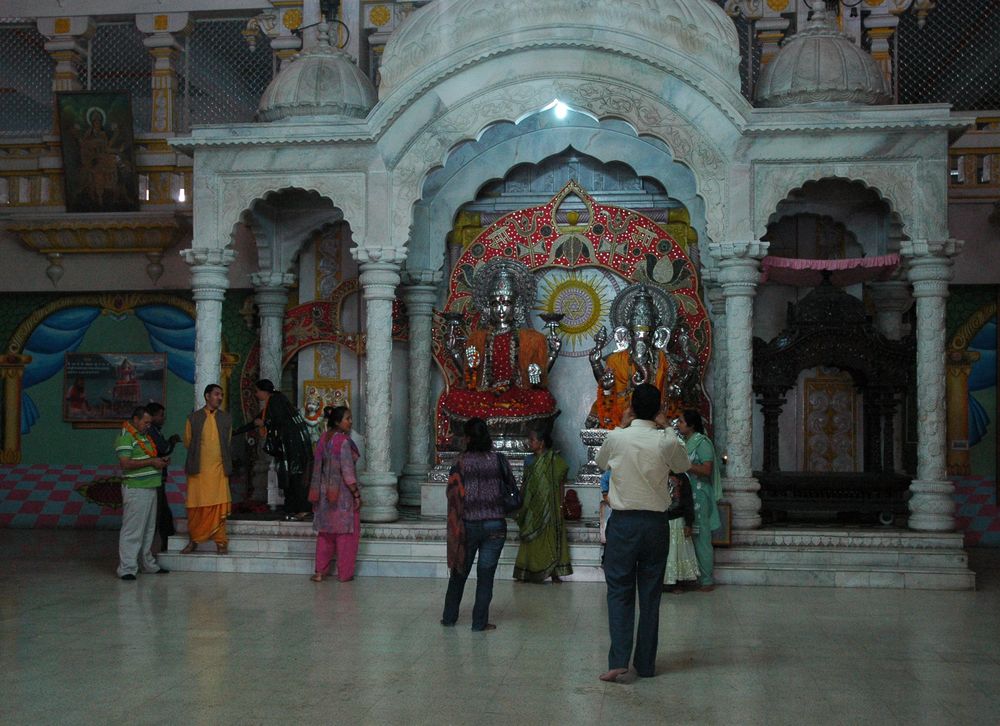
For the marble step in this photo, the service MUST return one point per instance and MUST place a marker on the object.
(875, 558)
(379, 558)
(804, 575)
(842, 557)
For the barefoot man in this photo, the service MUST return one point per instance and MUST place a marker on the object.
(640, 457)
(209, 464)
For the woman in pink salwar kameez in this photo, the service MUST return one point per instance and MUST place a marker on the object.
(336, 498)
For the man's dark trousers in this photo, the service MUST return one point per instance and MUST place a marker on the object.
(635, 557)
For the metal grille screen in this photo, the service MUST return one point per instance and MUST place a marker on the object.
(25, 82)
(225, 79)
(120, 62)
(954, 58)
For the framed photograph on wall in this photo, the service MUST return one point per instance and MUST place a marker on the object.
(103, 388)
(98, 152)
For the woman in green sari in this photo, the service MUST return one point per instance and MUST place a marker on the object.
(706, 486)
(543, 550)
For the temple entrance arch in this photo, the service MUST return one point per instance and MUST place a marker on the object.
(628, 113)
(501, 147)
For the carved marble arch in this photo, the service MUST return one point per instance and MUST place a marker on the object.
(476, 164)
(284, 221)
(893, 183)
(344, 192)
(645, 112)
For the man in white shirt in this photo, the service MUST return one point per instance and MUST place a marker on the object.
(640, 456)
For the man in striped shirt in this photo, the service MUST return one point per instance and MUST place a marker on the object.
(141, 466)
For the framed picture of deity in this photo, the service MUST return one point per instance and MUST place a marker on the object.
(98, 152)
(102, 389)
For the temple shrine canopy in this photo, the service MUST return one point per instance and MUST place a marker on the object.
(471, 89)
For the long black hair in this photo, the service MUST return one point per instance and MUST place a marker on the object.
(477, 435)
(693, 419)
(334, 415)
(542, 432)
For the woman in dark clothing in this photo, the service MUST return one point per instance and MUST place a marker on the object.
(475, 522)
(286, 438)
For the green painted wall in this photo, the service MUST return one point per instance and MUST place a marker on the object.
(53, 441)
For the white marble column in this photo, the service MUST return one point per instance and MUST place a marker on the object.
(379, 278)
(739, 274)
(419, 293)
(209, 282)
(932, 506)
(717, 306)
(271, 297)
(891, 299)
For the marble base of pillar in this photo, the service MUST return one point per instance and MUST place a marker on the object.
(932, 506)
(379, 496)
(413, 478)
(741, 493)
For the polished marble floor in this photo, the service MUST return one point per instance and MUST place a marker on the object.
(78, 646)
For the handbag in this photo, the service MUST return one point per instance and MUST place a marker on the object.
(510, 492)
(572, 508)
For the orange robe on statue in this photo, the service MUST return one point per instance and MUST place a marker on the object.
(498, 388)
(208, 498)
(608, 409)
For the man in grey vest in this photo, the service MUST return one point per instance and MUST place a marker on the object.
(208, 466)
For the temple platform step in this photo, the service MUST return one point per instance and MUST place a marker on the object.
(413, 548)
(822, 557)
(796, 557)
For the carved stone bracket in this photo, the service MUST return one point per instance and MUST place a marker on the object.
(53, 236)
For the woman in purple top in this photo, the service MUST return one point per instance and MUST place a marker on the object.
(475, 522)
(335, 496)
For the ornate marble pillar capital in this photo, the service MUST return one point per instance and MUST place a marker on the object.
(271, 291)
(209, 271)
(738, 266)
(932, 507)
(379, 280)
(416, 278)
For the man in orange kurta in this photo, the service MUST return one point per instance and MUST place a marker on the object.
(208, 466)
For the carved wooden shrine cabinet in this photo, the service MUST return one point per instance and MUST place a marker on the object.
(829, 328)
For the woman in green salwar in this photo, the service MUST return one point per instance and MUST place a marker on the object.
(706, 486)
(543, 550)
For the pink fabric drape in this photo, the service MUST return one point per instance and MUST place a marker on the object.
(809, 273)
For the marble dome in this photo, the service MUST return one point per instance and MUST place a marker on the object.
(448, 34)
(820, 65)
(320, 81)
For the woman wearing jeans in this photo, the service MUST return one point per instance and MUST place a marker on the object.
(475, 522)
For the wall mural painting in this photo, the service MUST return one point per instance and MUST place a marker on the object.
(580, 267)
(104, 388)
(974, 410)
(98, 152)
